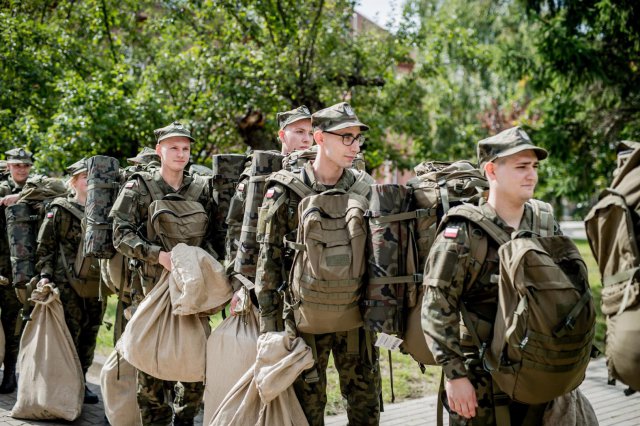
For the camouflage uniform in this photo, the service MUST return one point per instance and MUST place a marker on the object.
(447, 279)
(83, 316)
(359, 372)
(157, 398)
(9, 303)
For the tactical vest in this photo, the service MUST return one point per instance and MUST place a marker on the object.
(613, 230)
(542, 336)
(84, 273)
(328, 269)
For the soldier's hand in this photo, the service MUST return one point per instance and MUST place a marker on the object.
(42, 282)
(164, 258)
(9, 200)
(461, 397)
(234, 302)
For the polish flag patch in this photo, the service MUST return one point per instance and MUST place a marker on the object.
(451, 232)
(270, 192)
(241, 187)
(130, 184)
(49, 215)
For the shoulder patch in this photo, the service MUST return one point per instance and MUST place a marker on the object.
(451, 232)
(270, 192)
(241, 187)
(130, 184)
(49, 214)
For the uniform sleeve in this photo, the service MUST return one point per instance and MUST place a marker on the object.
(47, 243)
(127, 214)
(444, 280)
(272, 227)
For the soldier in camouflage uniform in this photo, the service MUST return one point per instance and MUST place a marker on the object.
(62, 230)
(145, 160)
(161, 400)
(509, 160)
(19, 162)
(338, 133)
(295, 135)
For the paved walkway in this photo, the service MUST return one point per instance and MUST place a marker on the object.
(609, 403)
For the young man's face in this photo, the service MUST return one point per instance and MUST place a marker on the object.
(174, 153)
(80, 183)
(515, 177)
(296, 136)
(335, 150)
(19, 172)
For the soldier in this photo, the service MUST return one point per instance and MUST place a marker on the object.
(19, 163)
(146, 158)
(295, 135)
(338, 133)
(59, 243)
(130, 217)
(509, 160)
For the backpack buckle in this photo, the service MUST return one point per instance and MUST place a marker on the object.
(418, 278)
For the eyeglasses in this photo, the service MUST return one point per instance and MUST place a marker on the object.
(348, 139)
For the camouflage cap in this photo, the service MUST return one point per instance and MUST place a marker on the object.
(336, 117)
(145, 156)
(174, 129)
(287, 117)
(78, 167)
(505, 143)
(19, 156)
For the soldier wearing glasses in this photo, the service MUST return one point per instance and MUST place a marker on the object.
(338, 134)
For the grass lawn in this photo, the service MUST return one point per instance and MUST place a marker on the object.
(409, 382)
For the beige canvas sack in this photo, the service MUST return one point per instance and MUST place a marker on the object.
(51, 383)
(264, 395)
(118, 386)
(231, 351)
(570, 409)
(163, 345)
(198, 282)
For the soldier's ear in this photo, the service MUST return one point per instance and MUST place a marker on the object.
(281, 135)
(490, 170)
(158, 150)
(318, 136)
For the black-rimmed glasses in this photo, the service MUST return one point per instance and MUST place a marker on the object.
(348, 139)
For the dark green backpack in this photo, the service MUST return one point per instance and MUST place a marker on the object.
(227, 169)
(613, 229)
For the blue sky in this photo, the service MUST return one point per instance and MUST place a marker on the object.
(379, 11)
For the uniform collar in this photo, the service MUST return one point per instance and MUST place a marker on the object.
(526, 223)
(345, 181)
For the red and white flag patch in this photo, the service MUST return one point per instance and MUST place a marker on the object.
(241, 187)
(451, 232)
(49, 215)
(130, 184)
(270, 192)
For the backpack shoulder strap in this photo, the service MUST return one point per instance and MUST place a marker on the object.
(195, 188)
(292, 181)
(68, 206)
(476, 216)
(543, 222)
(152, 186)
(362, 185)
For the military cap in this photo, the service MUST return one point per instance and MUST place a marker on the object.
(174, 129)
(505, 143)
(145, 156)
(19, 156)
(3, 165)
(287, 117)
(336, 117)
(78, 167)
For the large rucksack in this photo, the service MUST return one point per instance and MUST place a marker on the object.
(327, 275)
(226, 172)
(613, 227)
(402, 227)
(263, 163)
(82, 272)
(543, 332)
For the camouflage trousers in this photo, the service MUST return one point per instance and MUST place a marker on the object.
(10, 309)
(83, 317)
(159, 400)
(359, 373)
(488, 403)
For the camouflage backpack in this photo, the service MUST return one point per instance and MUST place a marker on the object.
(613, 229)
(327, 277)
(263, 163)
(84, 273)
(543, 333)
(103, 183)
(402, 227)
(227, 169)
